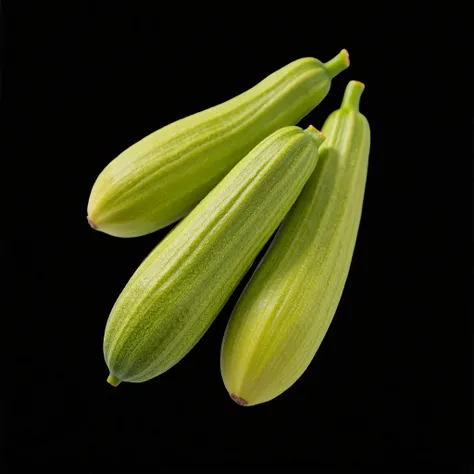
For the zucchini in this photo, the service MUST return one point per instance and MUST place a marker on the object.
(159, 179)
(179, 289)
(285, 311)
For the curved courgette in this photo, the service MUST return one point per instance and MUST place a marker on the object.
(285, 311)
(179, 289)
(159, 179)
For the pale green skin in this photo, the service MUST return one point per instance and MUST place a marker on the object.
(159, 179)
(179, 289)
(285, 311)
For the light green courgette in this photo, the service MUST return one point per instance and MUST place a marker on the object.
(285, 311)
(159, 179)
(179, 289)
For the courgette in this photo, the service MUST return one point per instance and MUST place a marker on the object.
(162, 177)
(179, 289)
(285, 310)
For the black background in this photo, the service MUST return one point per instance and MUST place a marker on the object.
(388, 389)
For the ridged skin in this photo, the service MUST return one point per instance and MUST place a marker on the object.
(179, 289)
(159, 179)
(285, 311)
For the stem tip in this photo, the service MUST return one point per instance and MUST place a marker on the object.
(112, 380)
(337, 64)
(352, 95)
(317, 136)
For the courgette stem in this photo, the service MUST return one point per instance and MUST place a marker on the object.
(337, 64)
(315, 134)
(352, 94)
(114, 381)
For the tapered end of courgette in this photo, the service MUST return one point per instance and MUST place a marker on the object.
(238, 400)
(316, 135)
(352, 95)
(91, 223)
(337, 64)
(112, 380)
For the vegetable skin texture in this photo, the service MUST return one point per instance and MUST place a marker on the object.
(286, 308)
(179, 289)
(161, 178)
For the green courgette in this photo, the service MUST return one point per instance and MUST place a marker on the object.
(285, 311)
(161, 178)
(179, 289)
